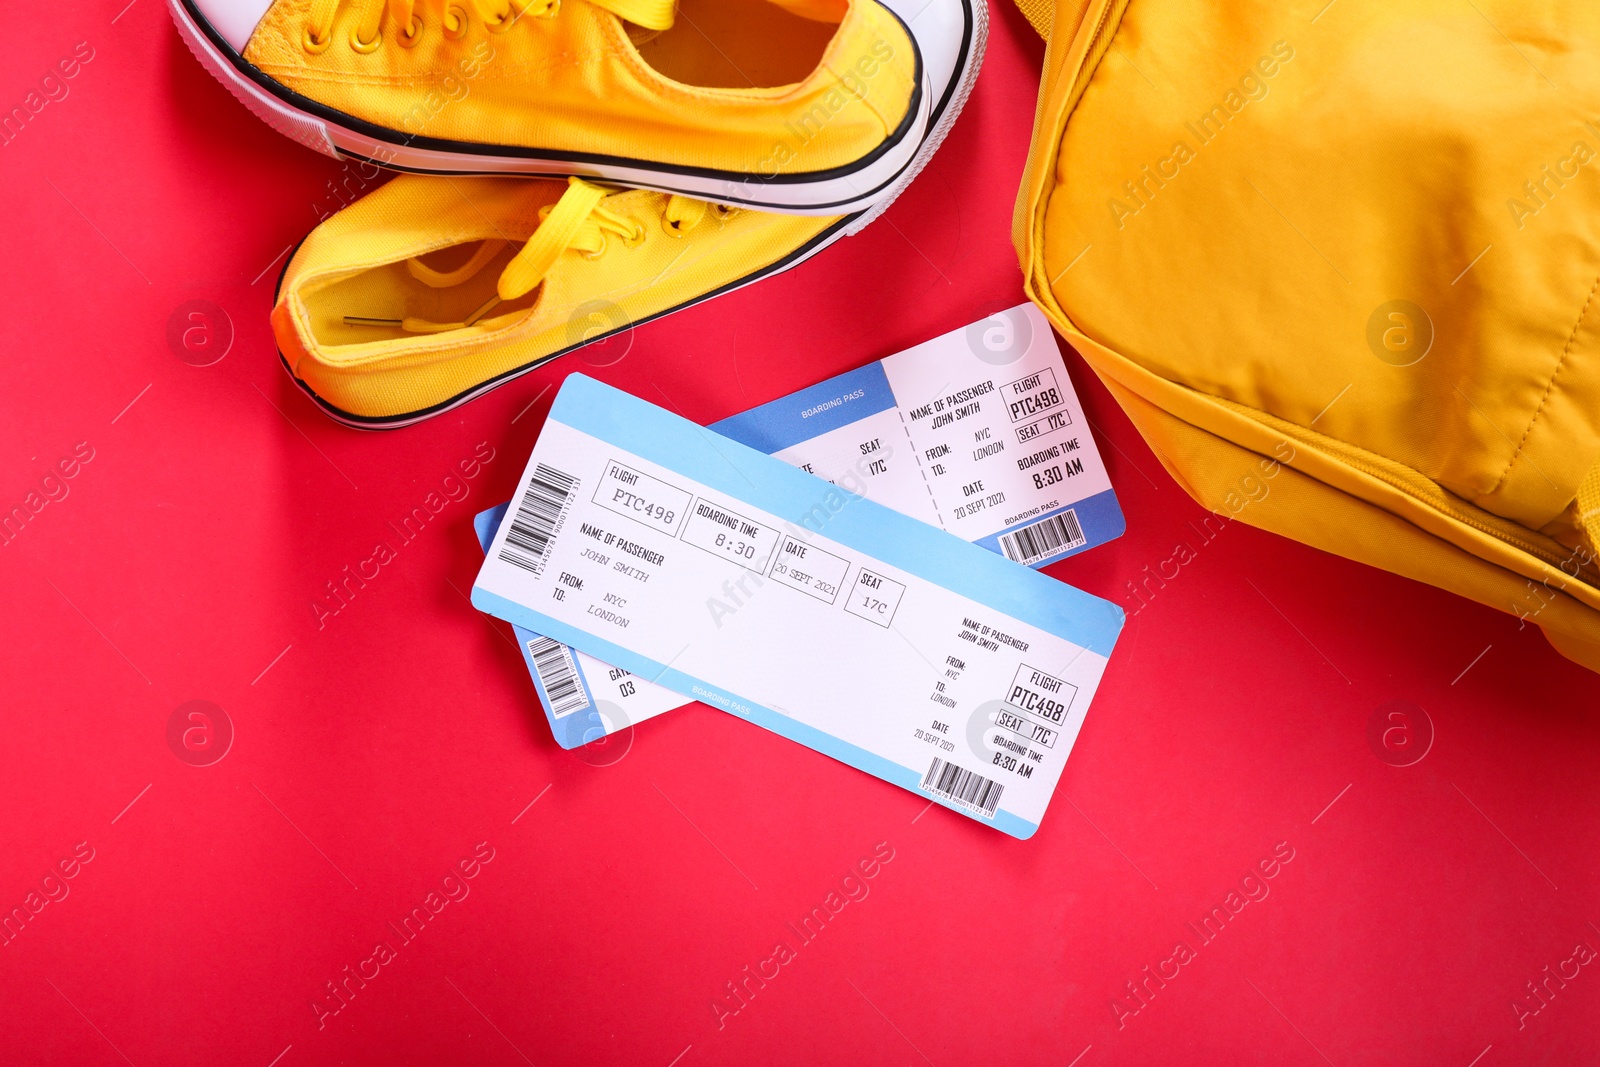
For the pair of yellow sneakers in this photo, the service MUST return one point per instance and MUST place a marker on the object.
(579, 166)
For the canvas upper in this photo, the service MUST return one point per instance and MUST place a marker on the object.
(457, 284)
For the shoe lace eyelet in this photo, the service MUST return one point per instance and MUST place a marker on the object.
(501, 24)
(550, 11)
(365, 47)
(635, 239)
(313, 46)
(457, 30)
(671, 228)
(413, 33)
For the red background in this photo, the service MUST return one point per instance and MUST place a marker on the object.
(372, 755)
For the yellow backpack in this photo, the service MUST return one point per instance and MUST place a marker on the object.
(1338, 261)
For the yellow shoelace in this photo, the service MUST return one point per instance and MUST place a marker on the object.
(497, 15)
(578, 222)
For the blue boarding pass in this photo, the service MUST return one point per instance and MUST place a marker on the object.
(728, 576)
(977, 431)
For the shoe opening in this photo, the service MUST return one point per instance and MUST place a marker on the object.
(742, 44)
(451, 288)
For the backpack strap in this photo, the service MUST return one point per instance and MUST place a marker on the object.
(1040, 14)
(1589, 507)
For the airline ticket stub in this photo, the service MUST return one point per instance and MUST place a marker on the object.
(707, 567)
(977, 431)
(583, 699)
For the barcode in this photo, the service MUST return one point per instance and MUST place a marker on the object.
(535, 521)
(954, 783)
(552, 661)
(1047, 537)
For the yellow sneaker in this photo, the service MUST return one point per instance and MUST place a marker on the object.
(811, 106)
(431, 291)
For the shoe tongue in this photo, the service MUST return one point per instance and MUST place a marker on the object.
(816, 10)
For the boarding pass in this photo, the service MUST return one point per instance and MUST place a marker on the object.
(728, 576)
(977, 431)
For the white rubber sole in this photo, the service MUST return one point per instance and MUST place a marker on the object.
(837, 193)
(966, 77)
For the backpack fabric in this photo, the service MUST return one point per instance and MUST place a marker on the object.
(1339, 263)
